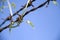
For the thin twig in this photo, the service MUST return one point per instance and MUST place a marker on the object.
(10, 9)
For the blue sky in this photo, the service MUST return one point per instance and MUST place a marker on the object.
(46, 22)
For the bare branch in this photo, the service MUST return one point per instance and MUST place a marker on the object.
(20, 18)
(9, 17)
(41, 5)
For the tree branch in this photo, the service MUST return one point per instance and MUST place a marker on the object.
(9, 17)
(41, 5)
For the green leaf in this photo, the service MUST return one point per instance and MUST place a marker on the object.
(1, 7)
(13, 5)
(1, 10)
(54, 2)
(12, 23)
(30, 23)
(10, 28)
(3, 0)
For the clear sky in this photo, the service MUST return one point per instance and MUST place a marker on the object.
(46, 23)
